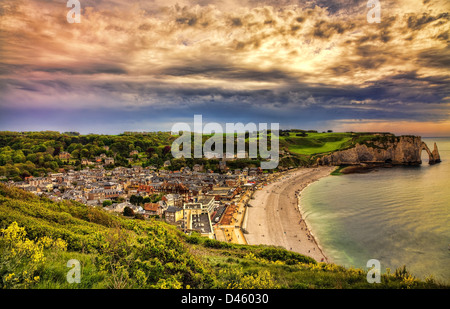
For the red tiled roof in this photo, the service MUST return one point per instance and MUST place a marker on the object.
(151, 206)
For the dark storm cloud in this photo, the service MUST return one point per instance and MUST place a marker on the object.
(325, 30)
(416, 22)
(227, 71)
(438, 58)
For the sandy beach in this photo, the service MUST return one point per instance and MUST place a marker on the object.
(275, 218)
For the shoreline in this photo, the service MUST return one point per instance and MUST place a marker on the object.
(275, 216)
(314, 238)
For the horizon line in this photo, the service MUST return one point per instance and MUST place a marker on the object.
(143, 132)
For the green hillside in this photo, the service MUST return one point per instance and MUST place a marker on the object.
(316, 143)
(24, 154)
(38, 237)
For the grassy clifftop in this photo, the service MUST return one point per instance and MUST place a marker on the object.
(39, 237)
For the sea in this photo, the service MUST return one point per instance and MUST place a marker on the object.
(399, 216)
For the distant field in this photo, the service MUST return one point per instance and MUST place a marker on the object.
(315, 143)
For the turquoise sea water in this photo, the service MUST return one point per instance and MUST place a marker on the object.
(399, 216)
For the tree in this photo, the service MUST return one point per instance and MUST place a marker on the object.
(166, 150)
(150, 151)
(127, 211)
(140, 200)
(18, 157)
(107, 203)
(75, 154)
(136, 200)
(84, 153)
(133, 199)
(57, 151)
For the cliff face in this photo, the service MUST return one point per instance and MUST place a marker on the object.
(401, 150)
(435, 155)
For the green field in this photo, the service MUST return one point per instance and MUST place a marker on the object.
(315, 143)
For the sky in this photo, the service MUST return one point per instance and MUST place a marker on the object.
(146, 65)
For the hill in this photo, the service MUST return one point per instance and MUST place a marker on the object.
(24, 154)
(39, 237)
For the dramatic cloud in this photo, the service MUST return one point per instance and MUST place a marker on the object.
(144, 65)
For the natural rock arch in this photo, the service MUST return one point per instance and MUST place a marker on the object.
(433, 156)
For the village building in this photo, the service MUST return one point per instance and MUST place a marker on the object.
(173, 214)
(153, 209)
(173, 200)
(109, 161)
(64, 155)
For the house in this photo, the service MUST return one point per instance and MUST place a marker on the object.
(118, 207)
(198, 168)
(145, 188)
(32, 189)
(222, 165)
(111, 193)
(253, 171)
(64, 155)
(96, 194)
(153, 209)
(109, 161)
(173, 214)
(137, 209)
(86, 162)
(173, 200)
(36, 181)
(223, 193)
(245, 171)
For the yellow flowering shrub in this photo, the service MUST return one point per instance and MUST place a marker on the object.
(236, 279)
(253, 257)
(408, 281)
(170, 283)
(13, 233)
(20, 256)
(48, 243)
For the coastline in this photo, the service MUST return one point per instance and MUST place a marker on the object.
(275, 216)
(313, 237)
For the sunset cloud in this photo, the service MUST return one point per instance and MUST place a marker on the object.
(146, 63)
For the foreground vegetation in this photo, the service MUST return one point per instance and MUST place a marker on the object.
(38, 237)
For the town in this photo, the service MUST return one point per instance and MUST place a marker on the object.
(195, 200)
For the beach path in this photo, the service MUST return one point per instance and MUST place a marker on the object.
(274, 217)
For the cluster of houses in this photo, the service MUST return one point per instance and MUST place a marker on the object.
(102, 159)
(192, 199)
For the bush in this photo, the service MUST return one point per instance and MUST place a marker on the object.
(20, 257)
(212, 243)
(193, 240)
(128, 212)
(278, 254)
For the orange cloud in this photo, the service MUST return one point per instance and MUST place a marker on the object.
(426, 129)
